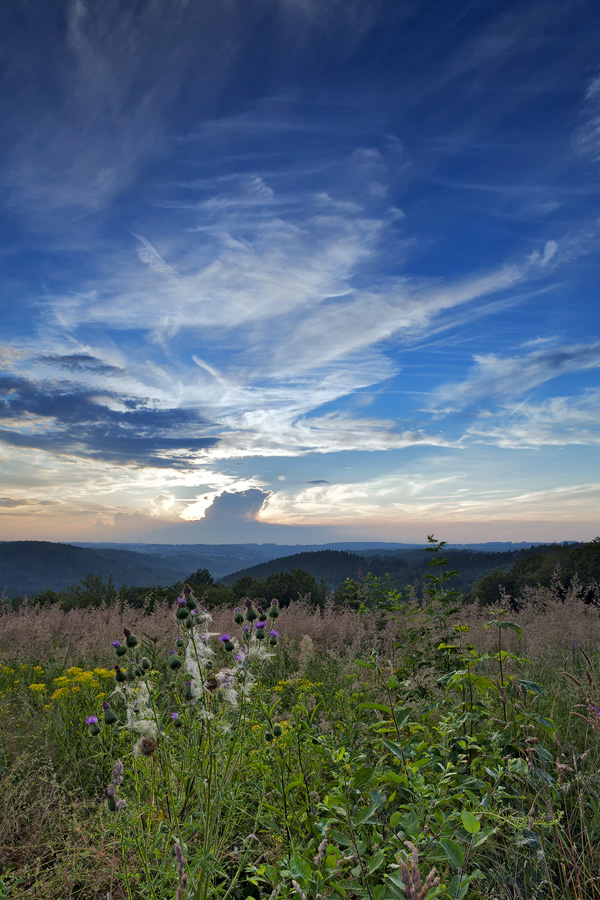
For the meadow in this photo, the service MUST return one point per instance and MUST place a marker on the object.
(402, 748)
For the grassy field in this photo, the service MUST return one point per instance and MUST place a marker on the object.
(404, 750)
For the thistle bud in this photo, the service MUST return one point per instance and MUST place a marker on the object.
(187, 590)
(182, 613)
(190, 602)
(229, 646)
(131, 641)
(273, 637)
(175, 662)
(277, 730)
(120, 674)
(273, 611)
(145, 664)
(179, 642)
(94, 729)
(268, 737)
(238, 618)
(121, 651)
(109, 717)
(188, 690)
(251, 614)
(189, 622)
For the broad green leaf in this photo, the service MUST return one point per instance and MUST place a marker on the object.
(380, 707)
(395, 818)
(366, 814)
(483, 835)
(470, 822)
(339, 838)
(377, 861)
(513, 626)
(394, 748)
(454, 852)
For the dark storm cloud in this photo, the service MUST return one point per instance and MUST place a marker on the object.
(83, 362)
(79, 423)
(236, 506)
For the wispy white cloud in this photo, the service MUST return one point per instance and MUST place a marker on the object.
(498, 378)
(557, 421)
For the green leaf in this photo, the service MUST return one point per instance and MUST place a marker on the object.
(454, 852)
(366, 814)
(394, 748)
(380, 707)
(470, 822)
(377, 798)
(376, 862)
(513, 626)
(340, 838)
(299, 868)
(395, 818)
(482, 837)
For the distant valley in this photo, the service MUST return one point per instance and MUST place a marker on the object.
(30, 567)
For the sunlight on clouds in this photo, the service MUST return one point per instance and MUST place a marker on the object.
(429, 500)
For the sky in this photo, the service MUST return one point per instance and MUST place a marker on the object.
(299, 271)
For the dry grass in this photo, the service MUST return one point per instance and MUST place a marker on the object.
(553, 622)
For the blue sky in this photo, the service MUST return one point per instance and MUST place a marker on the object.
(299, 270)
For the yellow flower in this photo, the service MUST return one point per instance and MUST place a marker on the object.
(38, 688)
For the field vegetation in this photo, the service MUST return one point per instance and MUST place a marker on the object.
(383, 747)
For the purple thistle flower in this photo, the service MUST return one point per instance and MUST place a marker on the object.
(193, 612)
(260, 624)
(274, 633)
(126, 632)
(174, 716)
(115, 644)
(224, 638)
(172, 652)
(105, 705)
(91, 720)
(181, 601)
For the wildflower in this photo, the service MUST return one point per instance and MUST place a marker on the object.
(183, 879)
(251, 614)
(147, 745)
(181, 601)
(109, 716)
(238, 617)
(273, 609)
(91, 720)
(224, 638)
(117, 772)
(273, 637)
(130, 640)
(37, 688)
(115, 644)
(320, 852)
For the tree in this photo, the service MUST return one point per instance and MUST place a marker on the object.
(200, 578)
